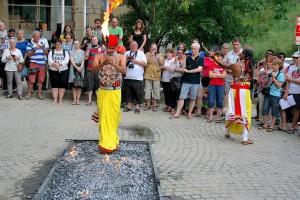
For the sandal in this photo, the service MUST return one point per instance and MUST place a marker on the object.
(126, 109)
(137, 111)
(9, 96)
(154, 109)
(174, 117)
(209, 120)
(270, 129)
(281, 129)
(147, 108)
(261, 127)
(88, 103)
(291, 131)
(197, 115)
(247, 142)
(218, 121)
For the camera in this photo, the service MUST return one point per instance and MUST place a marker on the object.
(270, 75)
(130, 64)
(13, 56)
(188, 67)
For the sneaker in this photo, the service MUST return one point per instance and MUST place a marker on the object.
(9, 96)
(40, 97)
(20, 98)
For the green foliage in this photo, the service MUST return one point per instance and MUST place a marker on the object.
(257, 22)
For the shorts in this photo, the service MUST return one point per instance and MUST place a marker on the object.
(216, 94)
(93, 80)
(297, 100)
(134, 89)
(59, 79)
(271, 102)
(187, 88)
(152, 85)
(40, 74)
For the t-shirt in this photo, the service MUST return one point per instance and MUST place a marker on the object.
(38, 57)
(192, 78)
(293, 73)
(275, 91)
(137, 72)
(232, 57)
(118, 32)
(139, 38)
(166, 75)
(216, 81)
(22, 46)
(58, 57)
(93, 52)
(207, 63)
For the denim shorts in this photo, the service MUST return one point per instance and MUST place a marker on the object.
(187, 88)
(215, 94)
(271, 102)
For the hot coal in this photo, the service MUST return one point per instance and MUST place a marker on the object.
(82, 172)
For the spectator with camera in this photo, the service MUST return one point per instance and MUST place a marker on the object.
(12, 57)
(135, 62)
(176, 74)
(92, 78)
(152, 76)
(191, 67)
(37, 68)
(166, 79)
(271, 101)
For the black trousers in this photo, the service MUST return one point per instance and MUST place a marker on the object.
(134, 89)
(167, 92)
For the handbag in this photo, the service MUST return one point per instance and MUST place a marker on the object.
(205, 81)
(33, 70)
(266, 91)
(24, 72)
(175, 83)
(79, 81)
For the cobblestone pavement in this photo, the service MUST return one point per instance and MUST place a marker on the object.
(193, 158)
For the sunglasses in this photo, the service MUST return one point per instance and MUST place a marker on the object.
(295, 57)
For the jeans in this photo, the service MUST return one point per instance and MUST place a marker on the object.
(271, 102)
(215, 94)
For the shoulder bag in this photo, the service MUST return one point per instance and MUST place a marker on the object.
(266, 91)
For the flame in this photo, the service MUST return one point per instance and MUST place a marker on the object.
(112, 5)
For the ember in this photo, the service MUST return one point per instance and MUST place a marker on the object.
(127, 173)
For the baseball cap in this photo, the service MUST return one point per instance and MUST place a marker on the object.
(296, 54)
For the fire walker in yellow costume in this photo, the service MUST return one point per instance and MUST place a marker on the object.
(109, 101)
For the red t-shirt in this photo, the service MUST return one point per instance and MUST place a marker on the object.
(207, 62)
(216, 81)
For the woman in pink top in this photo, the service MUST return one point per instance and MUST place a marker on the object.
(204, 82)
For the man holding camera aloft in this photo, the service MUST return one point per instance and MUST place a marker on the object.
(152, 76)
(135, 62)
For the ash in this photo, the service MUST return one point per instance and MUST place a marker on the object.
(82, 172)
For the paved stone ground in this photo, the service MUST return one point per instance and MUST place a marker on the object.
(193, 158)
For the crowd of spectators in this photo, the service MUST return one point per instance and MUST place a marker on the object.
(190, 78)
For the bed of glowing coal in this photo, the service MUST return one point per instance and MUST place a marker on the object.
(82, 172)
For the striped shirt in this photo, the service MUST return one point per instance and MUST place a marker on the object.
(93, 52)
(38, 57)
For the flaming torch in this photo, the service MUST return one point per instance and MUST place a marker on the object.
(110, 6)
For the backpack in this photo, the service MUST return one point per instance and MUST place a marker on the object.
(64, 53)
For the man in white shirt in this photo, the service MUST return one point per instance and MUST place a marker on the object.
(233, 55)
(135, 62)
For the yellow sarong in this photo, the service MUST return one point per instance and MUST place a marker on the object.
(109, 102)
(237, 119)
